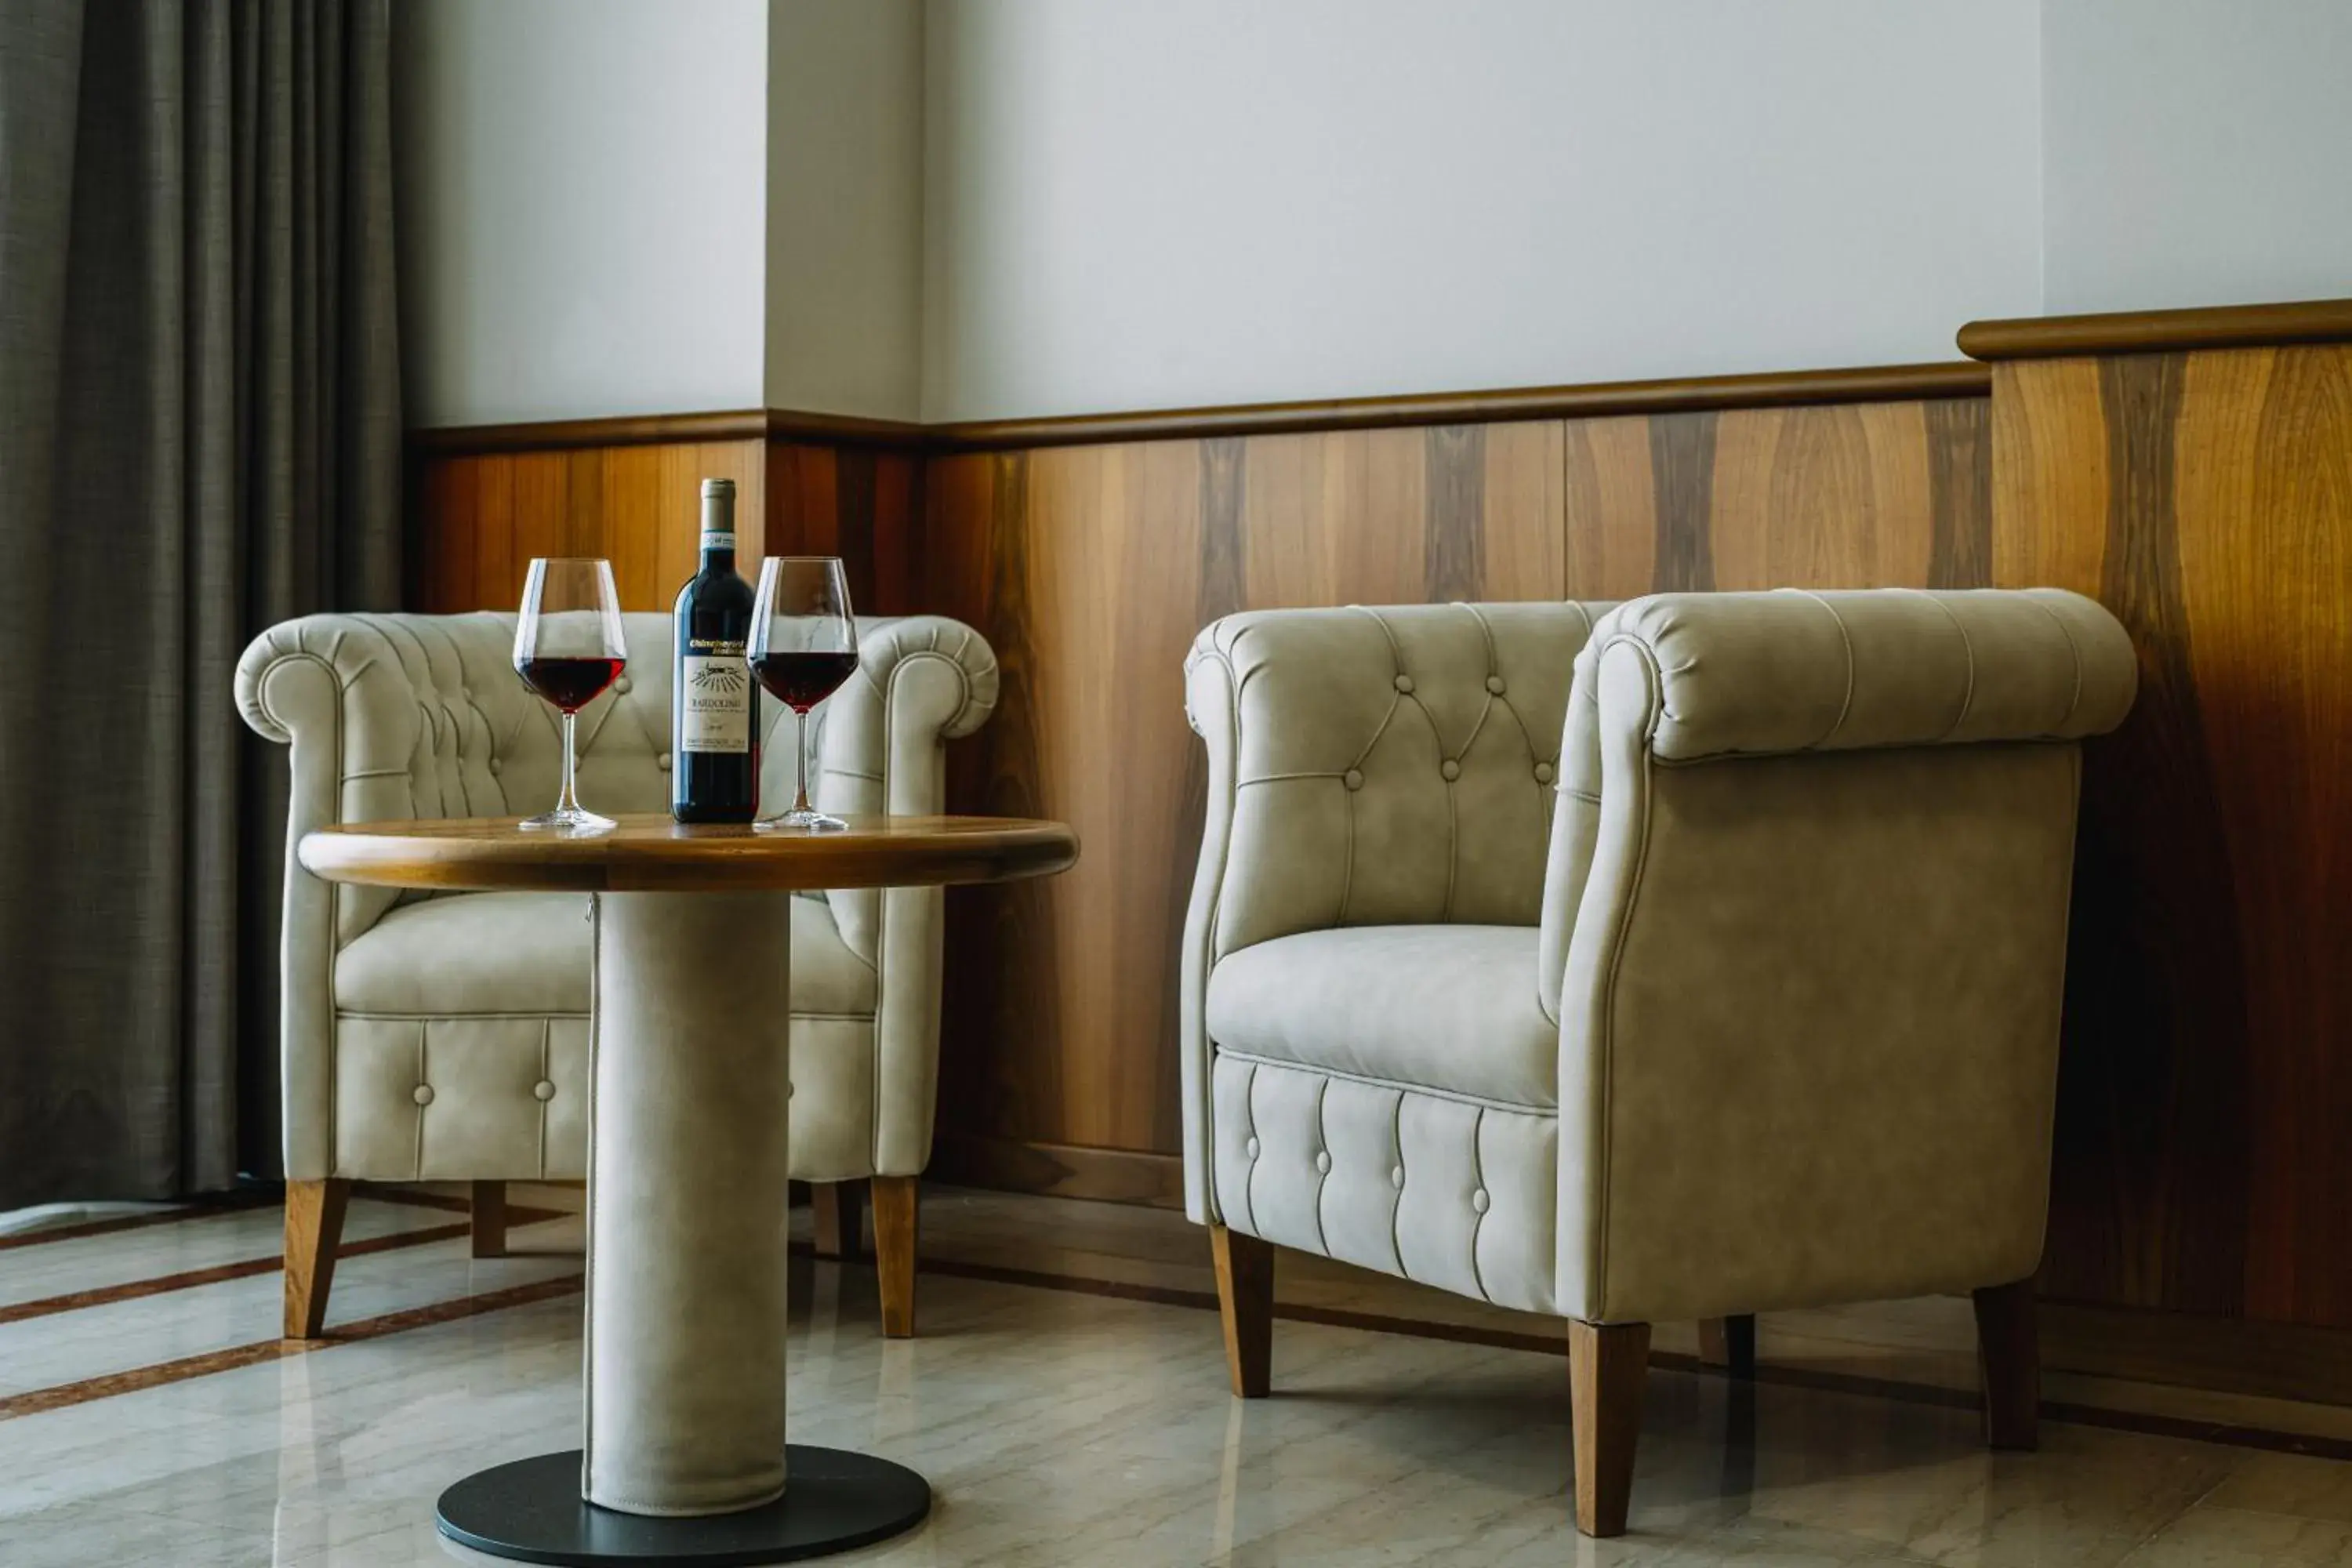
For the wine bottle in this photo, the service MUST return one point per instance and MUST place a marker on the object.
(714, 706)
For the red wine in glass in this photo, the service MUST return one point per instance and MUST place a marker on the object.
(570, 683)
(804, 644)
(569, 645)
(801, 680)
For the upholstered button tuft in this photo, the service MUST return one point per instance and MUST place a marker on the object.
(1404, 683)
(1494, 684)
(1250, 1148)
(1396, 1178)
(423, 1094)
(1543, 773)
(465, 694)
(1323, 1161)
(662, 761)
(1352, 779)
(1478, 1200)
(1451, 769)
(496, 767)
(542, 1090)
(621, 686)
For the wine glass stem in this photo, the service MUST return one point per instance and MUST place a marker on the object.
(571, 801)
(799, 759)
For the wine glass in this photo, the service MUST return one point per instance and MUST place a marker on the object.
(568, 648)
(804, 644)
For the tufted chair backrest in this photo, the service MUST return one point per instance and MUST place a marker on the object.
(441, 726)
(1432, 731)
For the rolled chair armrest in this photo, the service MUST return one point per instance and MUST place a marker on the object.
(1791, 670)
(370, 706)
(920, 682)
(1773, 674)
(335, 691)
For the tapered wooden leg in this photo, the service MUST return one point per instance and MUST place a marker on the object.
(836, 1215)
(1730, 1343)
(314, 1225)
(1606, 1363)
(489, 1219)
(897, 1219)
(2009, 1352)
(1245, 1302)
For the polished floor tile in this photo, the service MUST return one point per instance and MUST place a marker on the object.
(1064, 1426)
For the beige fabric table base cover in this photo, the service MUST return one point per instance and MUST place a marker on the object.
(686, 1202)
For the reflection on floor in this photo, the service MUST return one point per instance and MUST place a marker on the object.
(1067, 1402)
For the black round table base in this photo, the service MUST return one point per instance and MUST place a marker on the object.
(531, 1512)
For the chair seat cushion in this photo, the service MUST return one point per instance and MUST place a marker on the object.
(1445, 1007)
(471, 954)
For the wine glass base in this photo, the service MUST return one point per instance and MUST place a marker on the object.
(571, 821)
(799, 822)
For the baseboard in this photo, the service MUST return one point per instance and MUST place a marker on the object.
(1060, 1170)
(2277, 1361)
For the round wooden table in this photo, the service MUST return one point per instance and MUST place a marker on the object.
(685, 1457)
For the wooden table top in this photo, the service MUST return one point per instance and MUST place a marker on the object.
(649, 853)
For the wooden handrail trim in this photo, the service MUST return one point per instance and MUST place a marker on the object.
(651, 429)
(1872, 383)
(2160, 332)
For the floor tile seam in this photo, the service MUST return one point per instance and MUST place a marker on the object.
(234, 1358)
(213, 1274)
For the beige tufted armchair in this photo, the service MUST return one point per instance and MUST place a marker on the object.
(445, 1037)
(1753, 1006)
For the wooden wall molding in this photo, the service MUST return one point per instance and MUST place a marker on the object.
(662, 430)
(573, 434)
(2160, 332)
(1776, 389)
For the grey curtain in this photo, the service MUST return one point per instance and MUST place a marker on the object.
(199, 436)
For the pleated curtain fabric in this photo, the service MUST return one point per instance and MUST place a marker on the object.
(199, 436)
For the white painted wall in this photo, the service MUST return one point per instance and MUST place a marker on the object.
(2196, 151)
(845, 207)
(1226, 201)
(582, 207)
(976, 208)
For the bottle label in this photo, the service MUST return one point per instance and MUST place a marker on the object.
(712, 540)
(714, 698)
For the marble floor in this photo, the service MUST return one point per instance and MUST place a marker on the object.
(1067, 1401)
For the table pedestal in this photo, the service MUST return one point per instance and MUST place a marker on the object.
(685, 1459)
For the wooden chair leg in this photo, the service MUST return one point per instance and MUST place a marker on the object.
(1730, 1343)
(2008, 1350)
(1606, 1364)
(837, 1216)
(1245, 1303)
(314, 1225)
(897, 1220)
(489, 1212)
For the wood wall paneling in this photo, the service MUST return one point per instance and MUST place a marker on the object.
(2206, 498)
(861, 503)
(484, 516)
(1091, 563)
(2202, 495)
(1091, 567)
